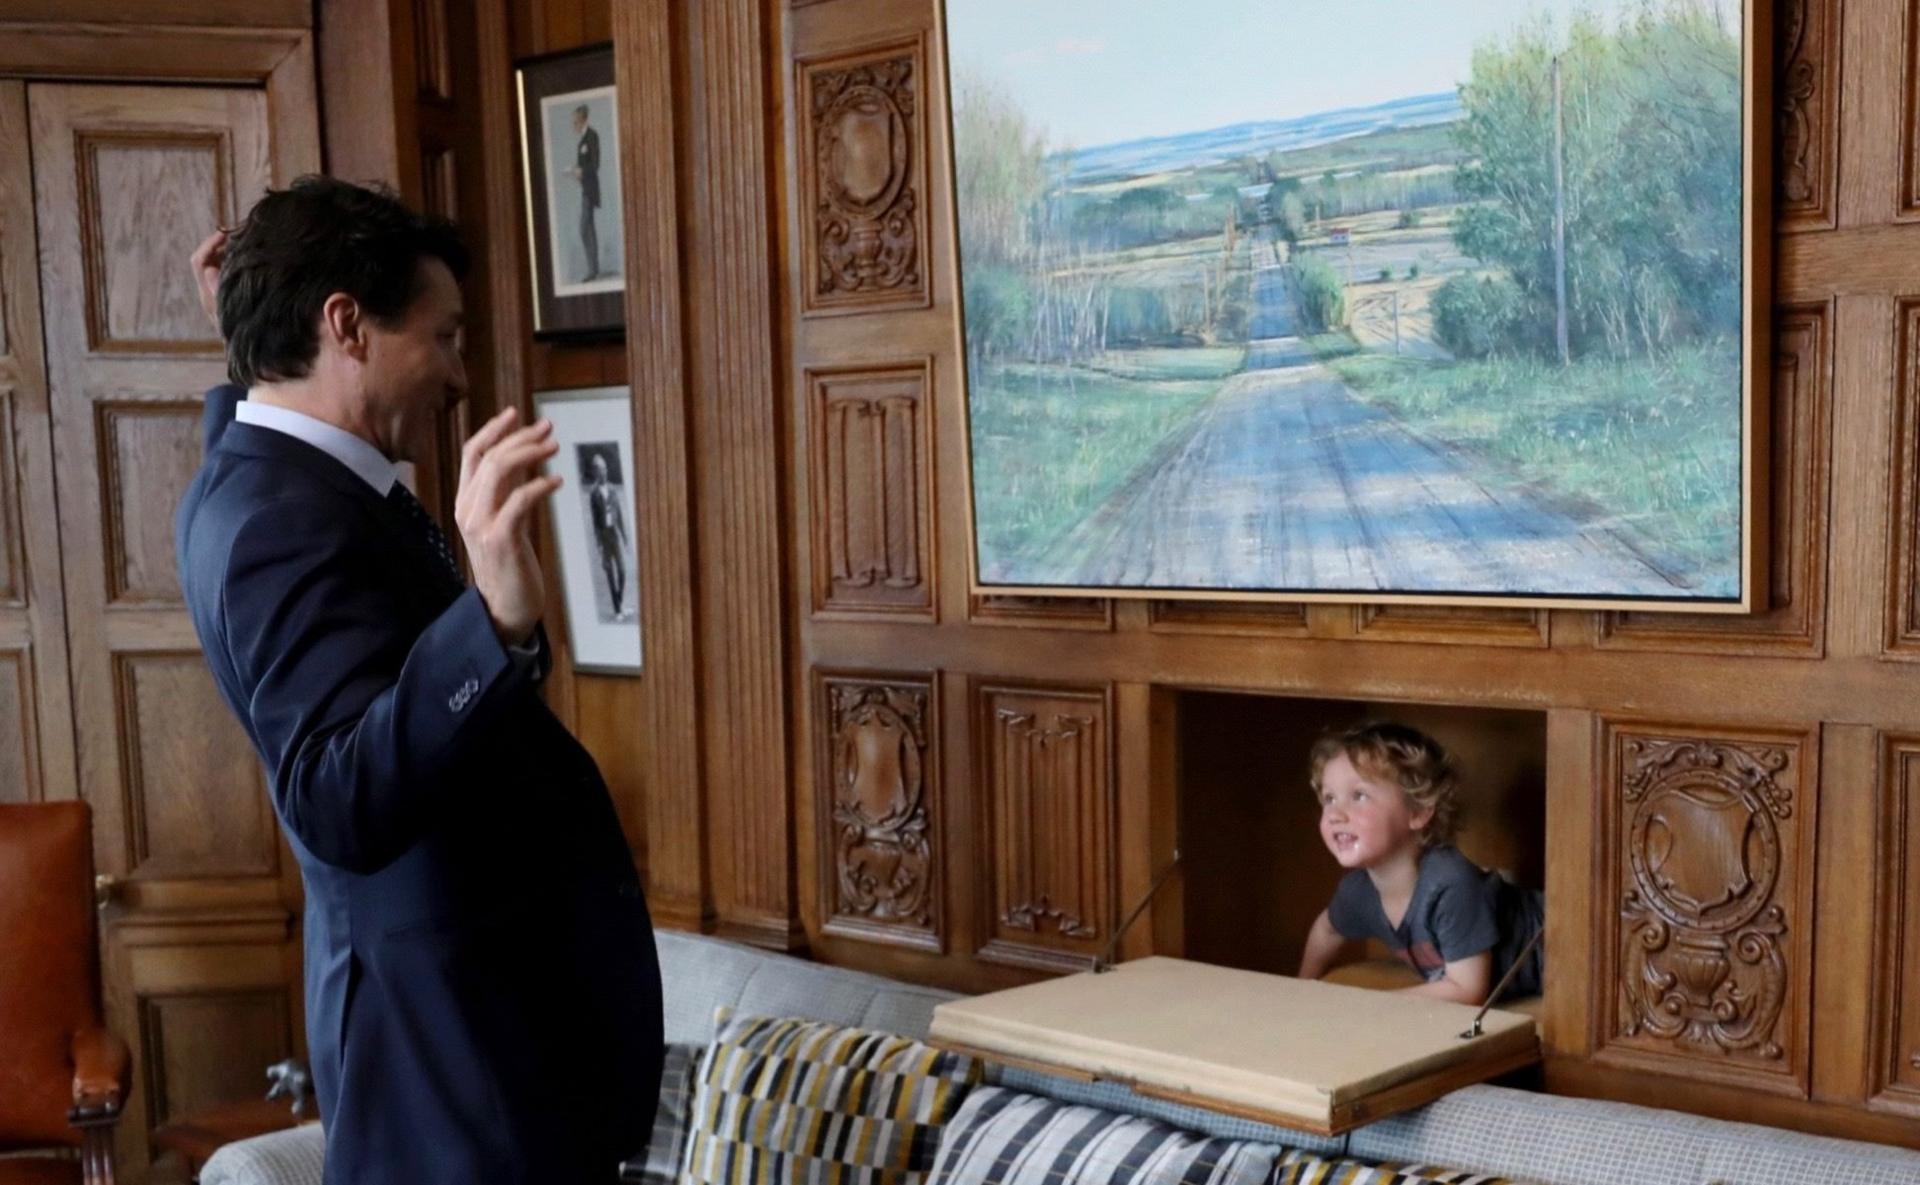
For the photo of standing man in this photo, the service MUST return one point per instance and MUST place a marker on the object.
(586, 170)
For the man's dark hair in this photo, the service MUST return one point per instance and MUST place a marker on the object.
(302, 244)
(580, 112)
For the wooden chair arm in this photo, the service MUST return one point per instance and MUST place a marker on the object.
(101, 1065)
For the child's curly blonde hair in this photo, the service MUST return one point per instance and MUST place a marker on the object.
(1406, 757)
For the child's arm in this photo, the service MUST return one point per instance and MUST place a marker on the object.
(1323, 943)
(1466, 980)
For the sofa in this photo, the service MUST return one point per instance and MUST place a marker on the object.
(1491, 1130)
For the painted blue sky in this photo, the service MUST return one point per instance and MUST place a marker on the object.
(1097, 72)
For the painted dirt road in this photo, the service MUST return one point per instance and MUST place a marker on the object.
(1288, 480)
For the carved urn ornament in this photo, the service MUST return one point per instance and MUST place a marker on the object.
(1702, 963)
(868, 240)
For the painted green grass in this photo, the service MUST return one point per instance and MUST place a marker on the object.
(1651, 445)
(1051, 443)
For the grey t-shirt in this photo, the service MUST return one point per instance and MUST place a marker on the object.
(1458, 910)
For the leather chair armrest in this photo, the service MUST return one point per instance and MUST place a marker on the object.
(101, 1065)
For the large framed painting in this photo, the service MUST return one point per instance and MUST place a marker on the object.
(570, 159)
(1423, 300)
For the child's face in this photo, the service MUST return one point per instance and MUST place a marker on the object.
(1363, 819)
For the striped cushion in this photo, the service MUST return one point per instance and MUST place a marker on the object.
(1304, 1168)
(1006, 1137)
(783, 1101)
(667, 1146)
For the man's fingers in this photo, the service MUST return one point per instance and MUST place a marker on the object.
(500, 465)
(488, 436)
(208, 253)
(521, 502)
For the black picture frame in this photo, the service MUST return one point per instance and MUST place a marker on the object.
(575, 295)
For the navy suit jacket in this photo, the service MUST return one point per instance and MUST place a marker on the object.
(483, 994)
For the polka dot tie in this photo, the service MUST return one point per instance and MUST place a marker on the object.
(430, 532)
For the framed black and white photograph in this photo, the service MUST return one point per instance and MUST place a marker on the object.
(570, 154)
(593, 524)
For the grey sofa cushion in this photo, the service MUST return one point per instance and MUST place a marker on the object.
(700, 974)
(1565, 1141)
(291, 1157)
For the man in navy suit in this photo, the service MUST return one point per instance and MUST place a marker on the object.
(483, 995)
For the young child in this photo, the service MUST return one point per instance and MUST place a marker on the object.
(1387, 813)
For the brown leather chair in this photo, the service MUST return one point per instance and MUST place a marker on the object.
(63, 1077)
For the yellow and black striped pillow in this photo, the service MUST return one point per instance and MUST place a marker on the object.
(783, 1101)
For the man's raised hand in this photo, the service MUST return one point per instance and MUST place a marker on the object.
(500, 487)
(207, 258)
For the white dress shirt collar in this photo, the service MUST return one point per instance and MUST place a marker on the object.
(366, 461)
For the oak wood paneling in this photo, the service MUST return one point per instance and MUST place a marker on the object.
(863, 179)
(1045, 772)
(1704, 945)
(1806, 106)
(1228, 617)
(871, 469)
(12, 532)
(147, 449)
(646, 58)
(741, 413)
(1893, 1053)
(19, 747)
(138, 218)
(1903, 582)
(178, 733)
(882, 842)
(1073, 613)
(207, 1048)
(36, 746)
(1801, 437)
(1475, 625)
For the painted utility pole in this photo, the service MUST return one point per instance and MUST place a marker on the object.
(1559, 219)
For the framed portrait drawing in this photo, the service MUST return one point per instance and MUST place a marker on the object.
(1433, 301)
(570, 156)
(593, 524)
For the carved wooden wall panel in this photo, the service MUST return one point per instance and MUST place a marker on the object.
(133, 190)
(877, 743)
(871, 469)
(1073, 613)
(1285, 619)
(1705, 937)
(1894, 1068)
(18, 783)
(150, 452)
(1807, 111)
(1903, 585)
(1801, 468)
(205, 1048)
(1478, 625)
(863, 179)
(178, 732)
(1045, 778)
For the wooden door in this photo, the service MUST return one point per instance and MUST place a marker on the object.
(36, 746)
(200, 962)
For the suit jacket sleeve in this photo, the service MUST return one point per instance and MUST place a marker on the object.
(362, 723)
